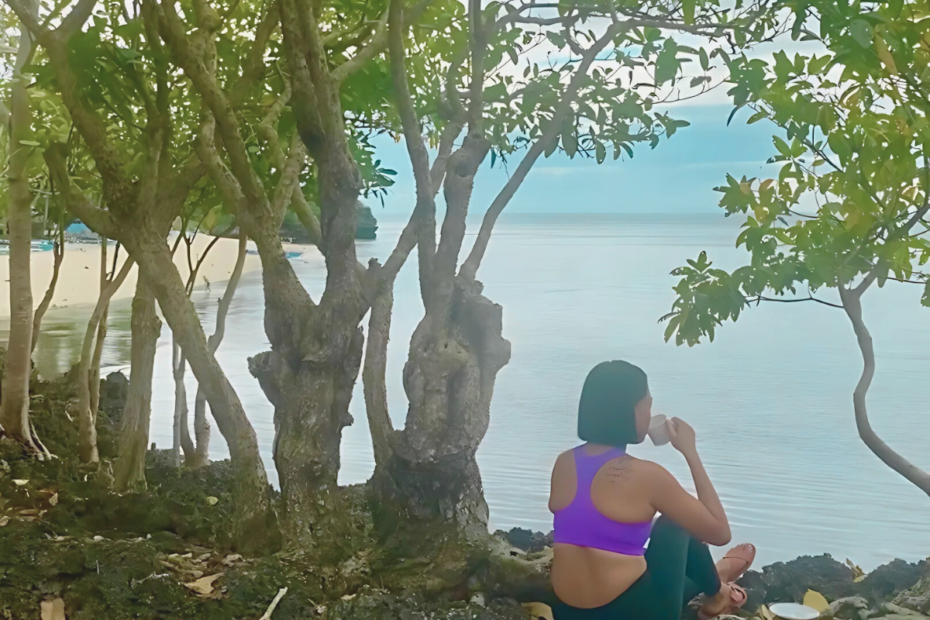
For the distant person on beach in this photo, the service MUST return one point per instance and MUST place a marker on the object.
(605, 502)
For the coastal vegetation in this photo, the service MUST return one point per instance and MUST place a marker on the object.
(157, 122)
(846, 208)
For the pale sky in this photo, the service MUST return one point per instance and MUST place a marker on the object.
(677, 177)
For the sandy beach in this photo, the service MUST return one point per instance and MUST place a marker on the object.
(79, 280)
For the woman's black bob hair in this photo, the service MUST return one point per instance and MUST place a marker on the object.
(607, 410)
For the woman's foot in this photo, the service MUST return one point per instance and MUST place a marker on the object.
(728, 600)
(730, 568)
(736, 562)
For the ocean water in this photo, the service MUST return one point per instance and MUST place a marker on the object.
(771, 398)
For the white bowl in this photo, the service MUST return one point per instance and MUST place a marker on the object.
(793, 611)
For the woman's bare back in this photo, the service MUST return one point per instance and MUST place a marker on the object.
(584, 577)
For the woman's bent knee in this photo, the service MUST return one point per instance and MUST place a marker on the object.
(665, 525)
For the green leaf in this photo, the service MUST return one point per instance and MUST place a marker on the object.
(569, 135)
(551, 147)
(782, 146)
(687, 9)
(667, 62)
(672, 326)
(600, 152)
(705, 61)
(29, 143)
(861, 31)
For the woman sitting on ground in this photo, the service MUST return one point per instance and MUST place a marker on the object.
(605, 501)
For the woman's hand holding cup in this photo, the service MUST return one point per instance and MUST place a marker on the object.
(682, 436)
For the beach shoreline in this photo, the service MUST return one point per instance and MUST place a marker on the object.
(79, 278)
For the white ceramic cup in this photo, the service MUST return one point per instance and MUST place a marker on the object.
(659, 431)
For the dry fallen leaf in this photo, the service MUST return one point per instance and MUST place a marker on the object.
(20, 483)
(858, 573)
(538, 610)
(204, 585)
(229, 560)
(53, 610)
(53, 500)
(816, 600)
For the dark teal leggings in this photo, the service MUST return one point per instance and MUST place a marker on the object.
(678, 568)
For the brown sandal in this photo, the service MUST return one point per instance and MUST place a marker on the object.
(738, 598)
(741, 553)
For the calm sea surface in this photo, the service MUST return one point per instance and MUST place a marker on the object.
(770, 398)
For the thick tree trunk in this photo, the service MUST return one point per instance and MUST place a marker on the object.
(308, 376)
(14, 400)
(256, 530)
(129, 472)
(429, 491)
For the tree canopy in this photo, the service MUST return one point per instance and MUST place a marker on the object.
(848, 206)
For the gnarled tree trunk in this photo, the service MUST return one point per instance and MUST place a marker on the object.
(430, 490)
(145, 325)
(308, 376)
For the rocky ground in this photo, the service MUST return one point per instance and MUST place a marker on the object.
(74, 550)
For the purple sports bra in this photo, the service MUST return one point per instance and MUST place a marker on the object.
(581, 524)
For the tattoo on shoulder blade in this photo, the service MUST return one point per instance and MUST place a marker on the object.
(619, 470)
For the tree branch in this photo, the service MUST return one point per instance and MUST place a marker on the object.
(882, 265)
(76, 19)
(912, 473)
(376, 43)
(307, 217)
(97, 219)
(255, 64)
(289, 181)
(373, 376)
(29, 20)
(225, 181)
(173, 31)
(470, 267)
(793, 301)
(422, 225)
(374, 46)
(478, 44)
(89, 123)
